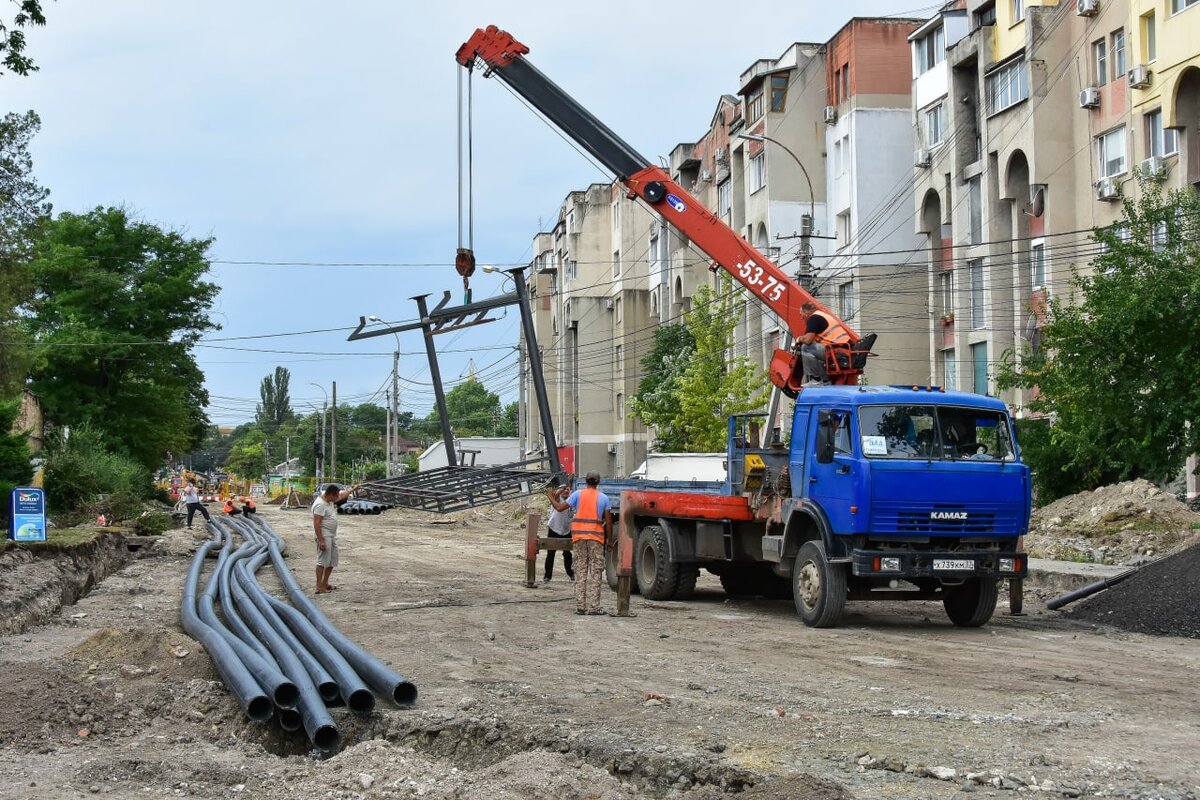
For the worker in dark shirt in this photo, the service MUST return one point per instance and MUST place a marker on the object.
(812, 345)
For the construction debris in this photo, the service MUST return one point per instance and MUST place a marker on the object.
(1125, 523)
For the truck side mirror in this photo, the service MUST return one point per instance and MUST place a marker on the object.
(824, 437)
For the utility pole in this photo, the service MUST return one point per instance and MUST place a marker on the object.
(333, 437)
(394, 442)
(387, 436)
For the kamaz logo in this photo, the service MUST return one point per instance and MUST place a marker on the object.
(959, 516)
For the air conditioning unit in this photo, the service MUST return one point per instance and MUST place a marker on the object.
(1153, 167)
(1085, 8)
(612, 449)
(706, 176)
(830, 115)
(608, 304)
(1089, 98)
(922, 158)
(1139, 76)
(1106, 189)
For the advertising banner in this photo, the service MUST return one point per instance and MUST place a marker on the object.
(27, 514)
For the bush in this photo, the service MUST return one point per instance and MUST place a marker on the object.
(82, 474)
(1052, 476)
(151, 523)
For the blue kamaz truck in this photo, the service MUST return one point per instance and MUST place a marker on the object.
(879, 493)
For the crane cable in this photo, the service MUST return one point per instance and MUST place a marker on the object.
(464, 257)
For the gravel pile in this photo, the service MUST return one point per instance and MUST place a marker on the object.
(1162, 599)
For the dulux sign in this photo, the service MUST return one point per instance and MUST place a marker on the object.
(27, 514)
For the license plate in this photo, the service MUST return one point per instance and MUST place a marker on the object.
(953, 564)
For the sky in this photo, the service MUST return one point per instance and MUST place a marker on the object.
(309, 138)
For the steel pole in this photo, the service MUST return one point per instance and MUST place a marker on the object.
(394, 442)
(535, 369)
(333, 437)
(435, 375)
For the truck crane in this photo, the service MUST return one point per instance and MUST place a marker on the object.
(882, 493)
(504, 57)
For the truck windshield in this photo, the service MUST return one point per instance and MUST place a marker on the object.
(935, 432)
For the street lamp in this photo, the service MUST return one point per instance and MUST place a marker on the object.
(759, 137)
(393, 417)
(321, 460)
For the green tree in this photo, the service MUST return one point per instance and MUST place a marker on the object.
(275, 406)
(697, 386)
(12, 37)
(658, 402)
(117, 307)
(246, 456)
(507, 425)
(14, 453)
(1115, 367)
(473, 410)
(23, 210)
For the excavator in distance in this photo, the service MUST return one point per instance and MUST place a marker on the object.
(503, 56)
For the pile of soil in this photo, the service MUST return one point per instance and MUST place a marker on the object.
(1161, 599)
(1125, 523)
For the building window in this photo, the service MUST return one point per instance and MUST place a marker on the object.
(1037, 263)
(1007, 86)
(656, 263)
(572, 270)
(946, 291)
(837, 158)
(845, 154)
(930, 49)
(979, 368)
(617, 310)
(1149, 37)
(1158, 236)
(1100, 62)
(935, 125)
(1118, 54)
(846, 300)
(758, 172)
(975, 209)
(846, 82)
(986, 15)
(1110, 152)
(1160, 141)
(949, 369)
(620, 405)
(724, 198)
(571, 222)
(779, 84)
(1018, 11)
(754, 104)
(618, 356)
(978, 309)
(843, 228)
(1180, 5)
(616, 263)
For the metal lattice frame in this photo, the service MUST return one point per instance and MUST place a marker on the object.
(447, 489)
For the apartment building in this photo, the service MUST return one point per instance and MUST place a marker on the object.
(1031, 117)
(591, 309)
(867, 278)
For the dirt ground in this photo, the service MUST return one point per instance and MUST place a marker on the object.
(520, 698)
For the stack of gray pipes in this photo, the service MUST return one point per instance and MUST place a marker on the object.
(278, 660)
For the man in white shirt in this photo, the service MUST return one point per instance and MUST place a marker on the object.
(325, 524)
(192, 497)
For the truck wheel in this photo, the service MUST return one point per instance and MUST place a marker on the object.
(972, 604)
(686, 586)
(610, 571)
(657, 576)
(818, 587)
(740, 580)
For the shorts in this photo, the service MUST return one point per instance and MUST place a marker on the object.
(329, 556)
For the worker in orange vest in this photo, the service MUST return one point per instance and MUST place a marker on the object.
(248, 506)
(231, 507)
(589, 530)
(819, 330)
